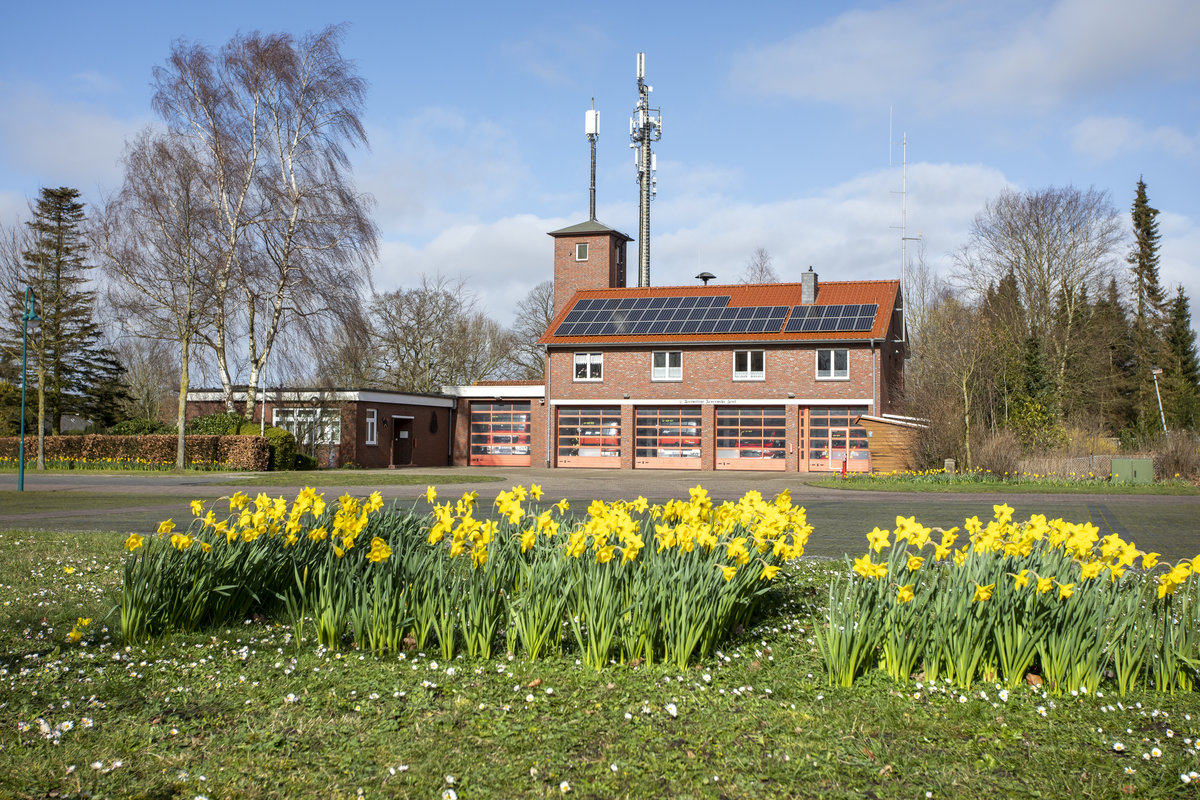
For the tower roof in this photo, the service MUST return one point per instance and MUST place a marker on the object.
(591, 226)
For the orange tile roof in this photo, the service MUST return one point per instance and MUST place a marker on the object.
(885, 294)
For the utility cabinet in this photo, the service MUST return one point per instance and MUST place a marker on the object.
(1133, 470)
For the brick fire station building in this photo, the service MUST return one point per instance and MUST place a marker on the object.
(758, 377)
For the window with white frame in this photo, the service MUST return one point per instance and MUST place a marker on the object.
(310, 425)
(372, 425)
(833, 364)
(589, 366)
(666, 365)
(749, 365)
(581, 251)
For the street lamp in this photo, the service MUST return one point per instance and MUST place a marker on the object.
(1156, 371)
(29, 316)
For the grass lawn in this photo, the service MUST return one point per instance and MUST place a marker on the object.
(969, 484)
(248, 712)
(353, 477)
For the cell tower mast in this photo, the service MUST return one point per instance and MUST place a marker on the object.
(645, 126)
(592, 127)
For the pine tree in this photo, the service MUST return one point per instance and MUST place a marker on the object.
(65, 343)
(1149, 309)
(1112, 346)
(1181, 368)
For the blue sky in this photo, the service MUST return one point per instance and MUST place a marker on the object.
(776, 121)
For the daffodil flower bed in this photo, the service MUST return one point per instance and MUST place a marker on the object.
(627, 581)
(1013, 600)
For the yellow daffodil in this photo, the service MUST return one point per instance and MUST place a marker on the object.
(379, 551)
(535, 491)
(905, 594)
(1021, 579)
(878, 539)
(197, 507)
(1149, 560)
(166, 526)
(1065, 590)
(728, 572)
(205, 547)
(134, 542)
(528, 538)
(1044, 585)
(430, 494)
(768, 573)
(983, 593)
(914, 563)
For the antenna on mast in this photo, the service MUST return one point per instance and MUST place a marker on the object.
(904, 237)
(645, 126)
(592, 127)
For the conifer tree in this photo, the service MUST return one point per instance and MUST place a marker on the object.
(1181, 368)
(65, 344)
(1149, 307)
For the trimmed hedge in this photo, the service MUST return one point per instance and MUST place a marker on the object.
(228, 452)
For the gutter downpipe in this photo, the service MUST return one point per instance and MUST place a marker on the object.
(874, 380)
(549, 412)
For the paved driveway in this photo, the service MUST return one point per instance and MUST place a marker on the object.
(1169, 525)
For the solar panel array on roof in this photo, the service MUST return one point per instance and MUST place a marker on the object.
(833, 319)
(640, 316)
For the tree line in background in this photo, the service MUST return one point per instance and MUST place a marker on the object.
(238, 240)
(1052, 331)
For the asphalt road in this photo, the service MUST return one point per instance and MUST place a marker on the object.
(89, 502)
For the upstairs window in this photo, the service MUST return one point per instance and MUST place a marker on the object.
(833, 364)
(581, 251)
(749, 365)
(589, 366)
(666, 365)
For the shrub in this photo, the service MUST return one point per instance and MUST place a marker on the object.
(140, 427)
(149, 451)
(219, 423)
(283, 449)
(1000, 453)
(1177, 453)
(305, 462)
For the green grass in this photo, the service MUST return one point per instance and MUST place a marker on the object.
(245, 712)
(45, 502)
(972, 483)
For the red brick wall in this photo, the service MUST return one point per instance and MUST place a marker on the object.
(708, 373)
(604, 268)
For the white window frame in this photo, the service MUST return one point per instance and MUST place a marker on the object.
(594, 367)
(301, 423)
(749, 373)
(372, 426)
(662, 368)
(581, 249)
(833, 373)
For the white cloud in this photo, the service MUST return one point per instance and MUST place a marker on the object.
(935, 55)
(1179, 253)
(58, 143)
(438, 168)
(1104, 138)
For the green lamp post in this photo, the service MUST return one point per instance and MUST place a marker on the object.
(29, 316)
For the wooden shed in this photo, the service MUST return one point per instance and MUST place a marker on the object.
(892, 441)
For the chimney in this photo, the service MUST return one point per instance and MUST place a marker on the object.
(808, 287)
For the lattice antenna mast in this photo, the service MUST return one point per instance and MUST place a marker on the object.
(645, 126)
(904, 237)
(592, 127)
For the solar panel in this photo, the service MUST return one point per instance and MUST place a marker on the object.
(674, 315)
(832, 318)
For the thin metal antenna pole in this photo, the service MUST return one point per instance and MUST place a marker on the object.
(645, 127)
(592, 133)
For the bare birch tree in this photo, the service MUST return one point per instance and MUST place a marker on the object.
(273, 117)
(158, 252)
(759, 268)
